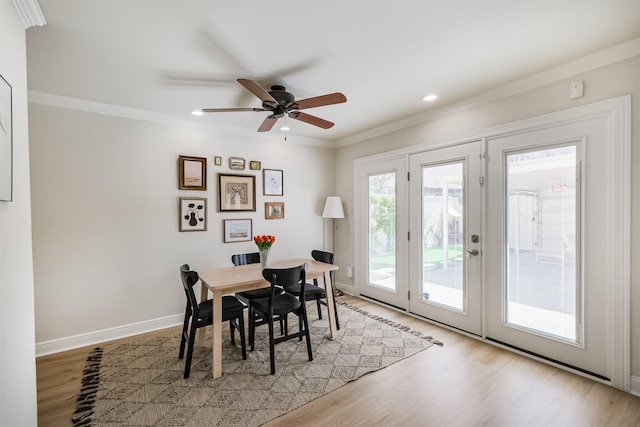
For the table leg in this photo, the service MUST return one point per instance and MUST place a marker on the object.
(328, 290)
(204, 295)
(217, 335)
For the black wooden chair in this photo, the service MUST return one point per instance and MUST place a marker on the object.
(315, 292)
(201, 315)
(281, 304)
(247, 296)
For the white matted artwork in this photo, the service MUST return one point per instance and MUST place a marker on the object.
(272, 182)
(193, 214)
(237, 230)
(6, 142)
(236, 193)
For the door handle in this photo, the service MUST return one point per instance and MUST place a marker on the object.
(474, 252)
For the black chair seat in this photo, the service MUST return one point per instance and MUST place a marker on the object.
(312, 291)
(231, 308)
(282, 304)
(256, 293)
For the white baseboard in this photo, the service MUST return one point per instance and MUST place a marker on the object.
(83, 340)
(69, 343)
(347, 289)
(635, 385)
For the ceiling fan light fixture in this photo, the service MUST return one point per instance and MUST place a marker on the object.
(430, 98)
(197, 112)
(285, 128)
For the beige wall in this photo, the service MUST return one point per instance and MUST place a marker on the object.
(105, 195)
(17, 350)
(608, 82)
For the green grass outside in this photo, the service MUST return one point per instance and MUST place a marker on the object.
(430, 256)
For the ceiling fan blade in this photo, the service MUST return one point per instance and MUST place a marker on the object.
(268, 123)
(319, 101)
(312, 120)
(257, 90)
(229, 110)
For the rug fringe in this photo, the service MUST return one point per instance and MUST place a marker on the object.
(391, 323)
(90, 384)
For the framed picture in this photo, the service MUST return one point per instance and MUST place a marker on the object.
(236, 163)
(237, 230)
(272, 182)
(236, 193)
(217, 160)
(255, 165)
(6, 141)
(193, 214)
(274, 210)
(192, 173)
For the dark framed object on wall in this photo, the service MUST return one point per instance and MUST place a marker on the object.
(236, 193)
(193, 214)
(272, 182)
(6, 141)
(192, 172)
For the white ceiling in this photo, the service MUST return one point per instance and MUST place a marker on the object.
(165, 58)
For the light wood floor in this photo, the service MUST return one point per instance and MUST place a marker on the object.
(464, 383)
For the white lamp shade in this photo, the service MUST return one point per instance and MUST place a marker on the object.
(333, 208)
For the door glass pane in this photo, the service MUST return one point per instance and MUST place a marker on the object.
(541, 241)
(382, 230)
(442, 234)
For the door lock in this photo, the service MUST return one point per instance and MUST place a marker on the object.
(474, 252)
(475, 238)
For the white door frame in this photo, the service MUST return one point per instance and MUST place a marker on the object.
(617, 111)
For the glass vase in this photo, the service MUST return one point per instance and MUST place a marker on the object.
(264, 258)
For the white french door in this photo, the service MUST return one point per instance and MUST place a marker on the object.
(383, 232)
(548, 272)
(445, 246)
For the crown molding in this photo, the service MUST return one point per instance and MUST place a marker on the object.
(30, 12)
(596, 60)
(70, 103)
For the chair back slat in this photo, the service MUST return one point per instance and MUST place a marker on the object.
(189, 279)
(243, 259)
(322, 256)
(286, 278)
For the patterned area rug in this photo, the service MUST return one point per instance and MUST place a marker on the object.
(140, 383)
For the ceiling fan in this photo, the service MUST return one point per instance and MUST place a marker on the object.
(280, 102)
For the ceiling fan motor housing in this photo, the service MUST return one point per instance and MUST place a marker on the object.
(281, 95)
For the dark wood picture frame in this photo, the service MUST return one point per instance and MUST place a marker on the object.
(255, 165)
(192, 172)
(236, 193)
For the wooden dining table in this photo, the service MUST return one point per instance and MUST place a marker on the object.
(229, 280)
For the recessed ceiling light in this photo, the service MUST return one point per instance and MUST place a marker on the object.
(197, 112)
(429, 98)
